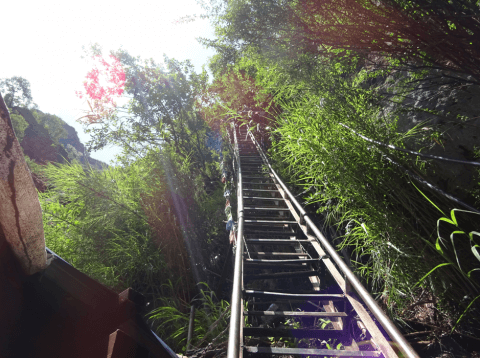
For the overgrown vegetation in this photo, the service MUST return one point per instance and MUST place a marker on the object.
(210, 324)
(152, 222)
(52, 123)
(331, 72)
(318, 82)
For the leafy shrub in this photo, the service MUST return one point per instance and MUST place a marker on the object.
(172, 320)
(19, 125)
(52, 123)
(359, 187)
(93, 219)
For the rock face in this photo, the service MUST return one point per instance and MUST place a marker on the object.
(39, 146)
(21, 225)
(37, 143)
(73, 140)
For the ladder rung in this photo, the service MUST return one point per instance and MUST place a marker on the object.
(265, 208)
(251, 177)
(255, 266)
(294, 314)
(276, 275)
(260, 198)
(250, 183)
(267, 190)
(301, 296)
(271, 253)
(265, 217)
(270, 233)
(310, 352)
(294, 261)
(295, 333)
(276, 241)
(270, 221)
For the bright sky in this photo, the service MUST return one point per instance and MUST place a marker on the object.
(42, 42)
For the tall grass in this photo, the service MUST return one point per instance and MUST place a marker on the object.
(171, 320)
(94, 220)
(127, 226)
(458, 246)
(363, 190)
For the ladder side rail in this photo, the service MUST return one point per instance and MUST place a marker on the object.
(235, 337)
(370, 302)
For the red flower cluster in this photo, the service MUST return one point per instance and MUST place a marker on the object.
(100, 97)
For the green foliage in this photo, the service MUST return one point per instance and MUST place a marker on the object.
(357, 186)
(16, 92)
(35, 168)
(73, 154)
(19, 125)
(52, 123)
(94, 220)
(395, 30)
(162, 111)
(172, 320)
(462, 267)
(348, 179)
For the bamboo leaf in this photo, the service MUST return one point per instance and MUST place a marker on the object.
(454, 248)
(437, 245)
(470, 272)
(429, 272)
(431, 202)
(476, 252)
(464, 312)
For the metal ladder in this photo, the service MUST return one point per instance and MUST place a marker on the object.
(292, 293)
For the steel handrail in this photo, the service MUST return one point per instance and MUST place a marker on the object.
(386, 323)
(233, 350)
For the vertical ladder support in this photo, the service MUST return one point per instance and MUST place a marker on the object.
(286, 260)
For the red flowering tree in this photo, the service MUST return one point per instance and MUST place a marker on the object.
(102, 87)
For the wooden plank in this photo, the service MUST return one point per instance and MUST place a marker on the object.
(121, 345)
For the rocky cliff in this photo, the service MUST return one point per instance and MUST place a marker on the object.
(37, 143)
(73, 141)
(39, 146)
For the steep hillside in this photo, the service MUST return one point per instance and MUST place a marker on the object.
(73, 141)
(37, 143)
(47, 138)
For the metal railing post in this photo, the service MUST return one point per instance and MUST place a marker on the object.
(234, 339)
(191, 327)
